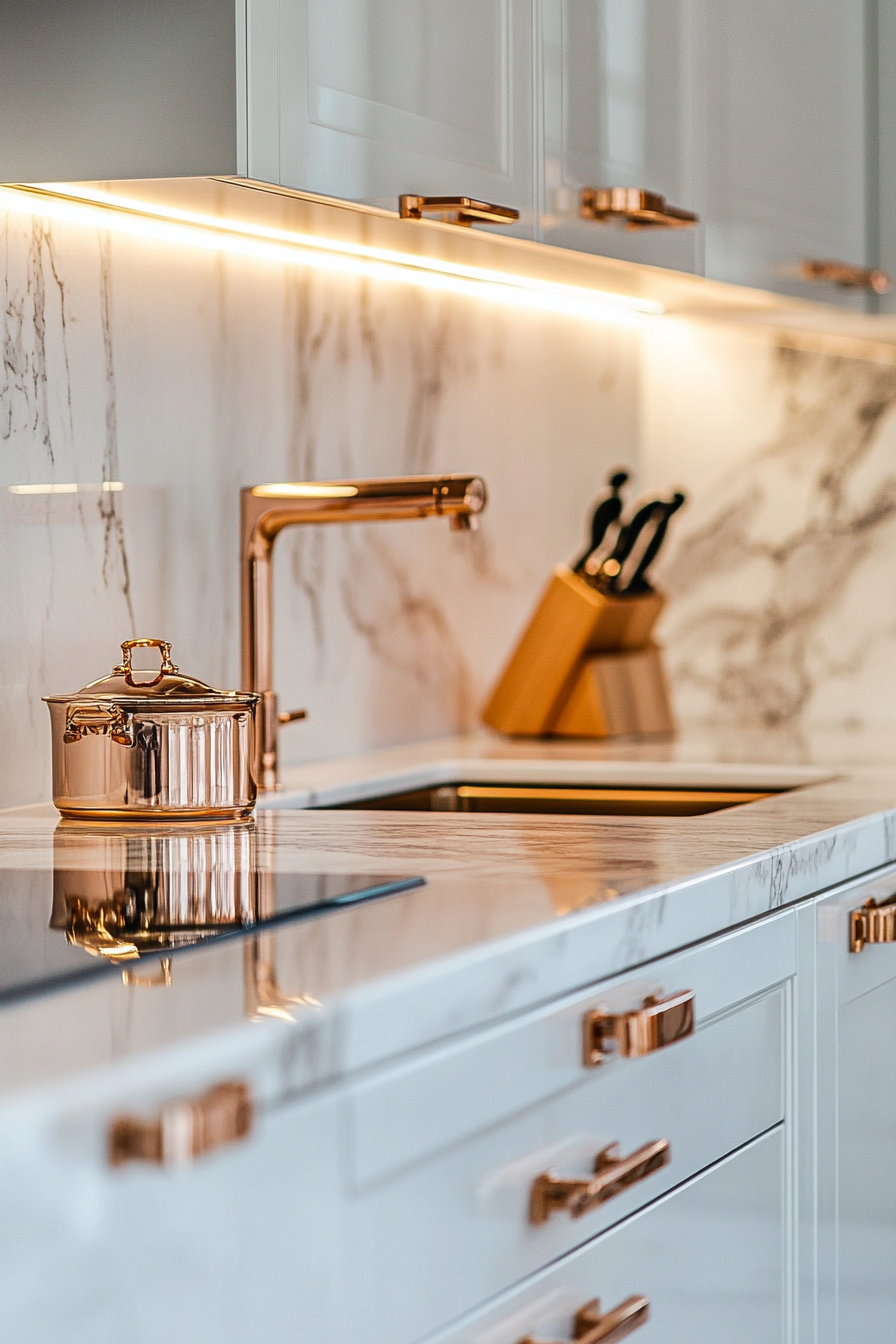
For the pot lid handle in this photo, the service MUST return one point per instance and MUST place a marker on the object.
(124, 667)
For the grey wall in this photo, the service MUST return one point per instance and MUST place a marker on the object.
(117, 88)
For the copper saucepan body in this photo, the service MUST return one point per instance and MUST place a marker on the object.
(133, 746)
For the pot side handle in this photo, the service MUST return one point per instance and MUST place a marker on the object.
(98, 721)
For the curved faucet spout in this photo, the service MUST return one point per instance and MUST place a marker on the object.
(265, 510)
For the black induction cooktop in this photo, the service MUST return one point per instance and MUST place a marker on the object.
(63, 927)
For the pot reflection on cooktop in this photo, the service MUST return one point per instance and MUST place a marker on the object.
(108, 919)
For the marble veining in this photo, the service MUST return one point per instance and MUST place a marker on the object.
(114, 548)
(406, 628)
(782, 608)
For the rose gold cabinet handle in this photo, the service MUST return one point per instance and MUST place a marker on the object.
(456, 210)
(872, 923)
(612, 1174)
(634, 208)
(183, 1130)
(653, 1026)
(845, 275)
(590, 1327)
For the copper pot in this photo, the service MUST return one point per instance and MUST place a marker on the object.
(168, 746)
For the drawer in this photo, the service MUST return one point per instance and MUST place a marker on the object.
(709, 1259)
(443, 1154)
(443, 1096)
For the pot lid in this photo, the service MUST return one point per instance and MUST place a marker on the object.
(167, 685)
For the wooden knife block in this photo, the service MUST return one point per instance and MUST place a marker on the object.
(584, 667)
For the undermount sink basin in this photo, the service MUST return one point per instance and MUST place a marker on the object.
(582, 800)
(462, 782)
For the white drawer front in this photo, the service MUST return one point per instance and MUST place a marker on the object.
(445, 1233)
(709, 1258)
(440, 1097)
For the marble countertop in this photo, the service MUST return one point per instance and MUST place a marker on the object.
(516, 909)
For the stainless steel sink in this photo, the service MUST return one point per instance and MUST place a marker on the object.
(582, 800)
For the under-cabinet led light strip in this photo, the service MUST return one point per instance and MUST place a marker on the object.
(162, 223)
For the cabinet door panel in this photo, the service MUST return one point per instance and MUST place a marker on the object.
(430, 97)
(710, 1258)
(619, 111)
(239, 1247)
(785, 141)
(866, 1184)
(395, 79)
(847, 1109)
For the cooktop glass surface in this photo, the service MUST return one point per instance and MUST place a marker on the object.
(58, 928)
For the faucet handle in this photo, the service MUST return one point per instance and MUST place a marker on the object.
(270, 723)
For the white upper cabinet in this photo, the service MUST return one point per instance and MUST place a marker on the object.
(771, 120)
(753, 114)
(786, 116)
(380, 98)
(619, 111)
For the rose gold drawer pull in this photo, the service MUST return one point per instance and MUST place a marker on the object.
(656, 1024)
(634, 208)
(612, 1174)
(592, 1328)
(456, 210)
(183, 1130)
(847, 276)
(872, 923)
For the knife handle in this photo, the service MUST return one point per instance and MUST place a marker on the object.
(605, 514)
(638, 583)
(608, 576)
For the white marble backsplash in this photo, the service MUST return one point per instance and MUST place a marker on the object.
(186, 374)
(783, 607)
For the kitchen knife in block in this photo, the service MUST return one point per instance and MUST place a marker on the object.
(571, 620)
(618, 695)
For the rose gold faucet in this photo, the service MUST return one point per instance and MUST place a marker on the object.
(265, 510)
